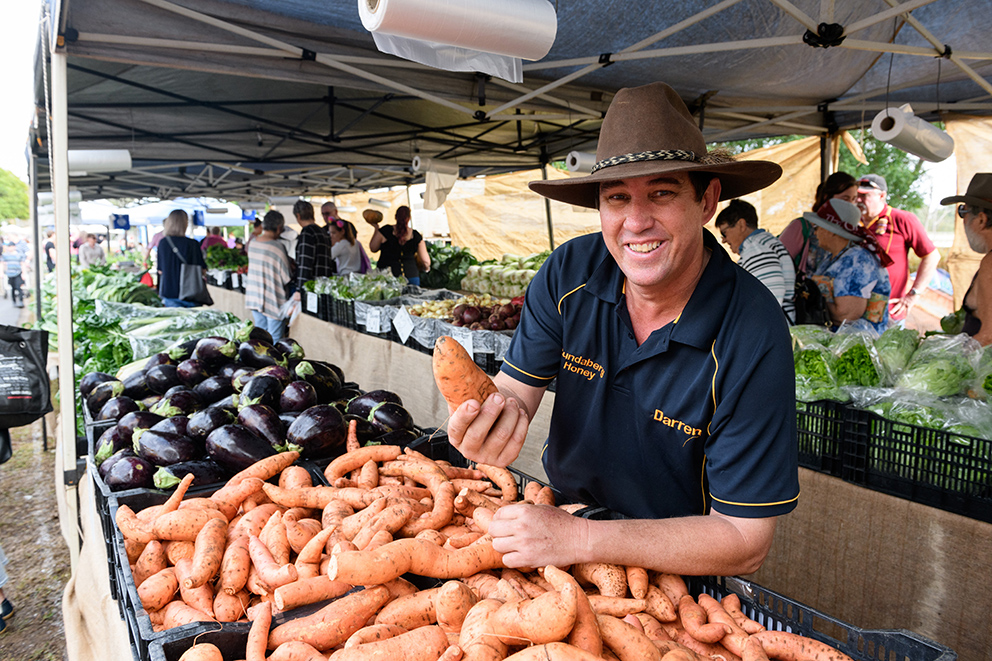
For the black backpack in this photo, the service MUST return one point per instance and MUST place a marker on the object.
(811, 305)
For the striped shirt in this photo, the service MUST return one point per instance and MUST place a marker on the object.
(268, 275)
(764, 257)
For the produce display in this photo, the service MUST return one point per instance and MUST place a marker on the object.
(507, 278)
(223, 258)
(359, 286)
(449, 266)
(213, 406)
(477, 312)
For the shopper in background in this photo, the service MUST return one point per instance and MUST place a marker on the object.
(675, 392)
(6, 608)
(175, 248)
(799, 238)
(213, 238)
(90, 253)
(402, 248)
(345, 248)
(329, 212)
(269, 274)
(897, 231)
(13, 262)
(313, 248)
(49, 248)
(975, 211)
(853, 277)
(762, 255)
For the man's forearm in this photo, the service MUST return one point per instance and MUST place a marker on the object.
(926, 271)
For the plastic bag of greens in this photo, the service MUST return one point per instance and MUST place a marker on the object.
(857, 362)
(815, 378)
(804, 334)
(943, 365)
(895, 347)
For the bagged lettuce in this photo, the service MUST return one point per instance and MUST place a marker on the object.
(857, 362)
(815, 374)
(806, 333)
(895, 347)
(942, 366)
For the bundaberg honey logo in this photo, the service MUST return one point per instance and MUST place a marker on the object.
(659, 416)
(584, 367)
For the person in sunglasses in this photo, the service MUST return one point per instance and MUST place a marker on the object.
(975, 211)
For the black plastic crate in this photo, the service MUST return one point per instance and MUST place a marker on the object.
(311, 304)
(417, 346)
(325, 307)
(821, 427)
(932, 467)
(779, 613)
(487, 362)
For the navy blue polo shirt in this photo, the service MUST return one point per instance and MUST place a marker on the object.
(702, 414)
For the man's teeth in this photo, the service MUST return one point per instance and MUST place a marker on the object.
(644, 247)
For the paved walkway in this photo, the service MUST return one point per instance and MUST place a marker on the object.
(9, 315)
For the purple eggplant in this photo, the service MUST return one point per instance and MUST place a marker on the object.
(228, 370)
(258, 353)
(102, 393)
(260, 390)
(264, 422)
(322, 377)
(148, 402)
(363, 404)
(91, 381)
(136, 420)
(236, 448)
(182, 352)
(203, 422)
(116, 408)
(241, 376)
(163, 448)
(297, 396)
(136, 386)
(366, 430)
(213, 388)
(158, 359)
(320, 431)
(290, 348)
(129, 472)
(109, 443)
(174, 389)
(289, 418)
(345, 395)
(104, 464)
(227, 404)
(252, 332)
(162, 377)
(177, 424)
(191, 372)
(401, 437)
(215, 350)
(278, 371)
(184, 402)
(390, 416)
(204, 471)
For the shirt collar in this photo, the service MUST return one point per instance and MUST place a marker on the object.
(702, 316)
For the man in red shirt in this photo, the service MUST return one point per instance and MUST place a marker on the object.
(897, 232)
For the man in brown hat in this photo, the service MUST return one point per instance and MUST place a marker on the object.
(675, 391)
(975, 211)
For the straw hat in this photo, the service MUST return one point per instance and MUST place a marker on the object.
(648, 130)
(979, 192)
(372, 215)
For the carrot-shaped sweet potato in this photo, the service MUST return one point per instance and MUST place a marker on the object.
(202, 652)
(457, 376)
(274, 537)
(616, 606)
(412, 555)
(585, 632)
(610, 580)
(131, 527)
(545, 619)
(230, 497)
(208, 551)
(694, 620)
(732, 604)
(258, 634)
(736, 638)
(355, 459)
(637, 582)
(787, 646)
(200, 597)
(311, 497)
(368, 475)
(411, 611)
(184, 524)
(423, 644)
(334, 623)
(374, 632)
(627, 642)
(176, 498)
(158, 590)
(673, 586)
(271, 573)
(179, 613)
(152, 560)
(306, 591)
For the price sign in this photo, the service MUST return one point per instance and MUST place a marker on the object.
(235, 280)
(403, 323)
(463, 336)
(373, 321)
(311, 302)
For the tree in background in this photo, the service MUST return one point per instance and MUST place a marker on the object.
(13, 197)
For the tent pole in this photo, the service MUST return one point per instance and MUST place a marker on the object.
(547, 209)
(824, 158)
(33, 174)
(67, 381)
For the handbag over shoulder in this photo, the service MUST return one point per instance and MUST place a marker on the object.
(192, 288)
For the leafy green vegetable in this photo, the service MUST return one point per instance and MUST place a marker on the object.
(361, 286)
(895, 347)
(940, 373)
(854, 367)
(953, 323)
(449, 265)
(223, 258)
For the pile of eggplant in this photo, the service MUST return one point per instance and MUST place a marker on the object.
(213, 406)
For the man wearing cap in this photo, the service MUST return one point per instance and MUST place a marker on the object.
(897, 231)
(975, 211)
(675, 395)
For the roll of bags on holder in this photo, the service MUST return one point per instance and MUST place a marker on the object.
(580, 162)
(423, 164)
(514, 28)
(902, 129)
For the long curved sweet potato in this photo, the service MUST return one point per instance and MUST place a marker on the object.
(416, 556)
(457, 376)
(792, 647)
(544, 619)
(423, 644)
(333, 624)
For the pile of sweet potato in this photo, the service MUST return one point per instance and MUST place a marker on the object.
(254, 548)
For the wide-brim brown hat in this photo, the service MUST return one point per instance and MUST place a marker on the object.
(979, 192)
(648, 130)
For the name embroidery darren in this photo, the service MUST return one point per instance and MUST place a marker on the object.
(660, 416)
(584, 367)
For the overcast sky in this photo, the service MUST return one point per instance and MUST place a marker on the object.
(17, 58)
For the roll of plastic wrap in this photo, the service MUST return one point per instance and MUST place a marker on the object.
(423, 164)
(46, 198)
(98, 160)
(515, 28)
(580, 162)
(902, 129)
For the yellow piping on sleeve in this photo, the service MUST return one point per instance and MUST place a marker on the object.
(533, 376)
(730, 502)
(716, 368)
(567, 295)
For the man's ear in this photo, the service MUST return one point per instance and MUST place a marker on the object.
(710, 199)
